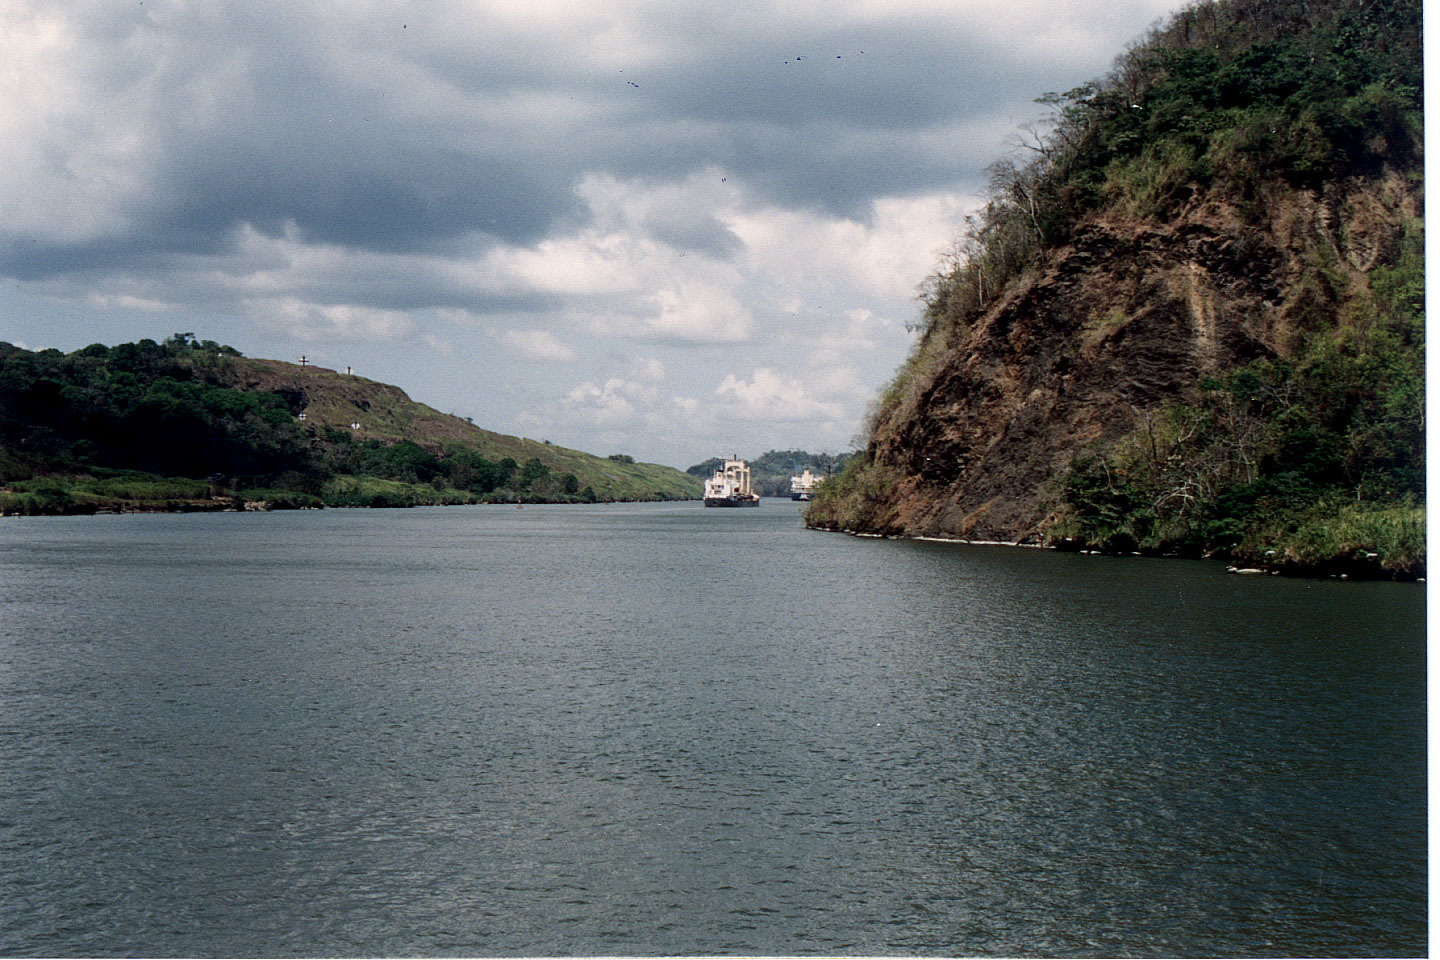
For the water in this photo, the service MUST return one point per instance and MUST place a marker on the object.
(659, 729)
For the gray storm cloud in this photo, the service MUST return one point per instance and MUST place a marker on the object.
(405, 129)
(521, 197)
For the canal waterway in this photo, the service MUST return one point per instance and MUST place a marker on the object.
(659, 729)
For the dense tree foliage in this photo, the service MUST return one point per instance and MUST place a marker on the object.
(145, 406)
(1227, 95)
(144, 411)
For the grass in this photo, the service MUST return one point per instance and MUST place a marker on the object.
(103, 490)
(88, 493)
(362, 491)
(1386, 538)
(387, 414)
(1097, 328)
(141, 487)
(848, 500)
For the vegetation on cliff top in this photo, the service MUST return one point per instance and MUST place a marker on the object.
(1229, 96)
(1307, 457)
(191, 424)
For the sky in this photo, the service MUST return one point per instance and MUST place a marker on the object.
(669, 229)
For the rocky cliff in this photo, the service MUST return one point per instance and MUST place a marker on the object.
(1118, 340)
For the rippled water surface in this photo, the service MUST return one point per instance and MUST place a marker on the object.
(658, 729)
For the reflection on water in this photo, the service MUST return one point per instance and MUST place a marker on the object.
(658, 729)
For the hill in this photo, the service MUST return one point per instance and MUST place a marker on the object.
(1193, 322)
(770, 472)
(190, 424)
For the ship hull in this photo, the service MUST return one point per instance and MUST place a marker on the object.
(732, 502)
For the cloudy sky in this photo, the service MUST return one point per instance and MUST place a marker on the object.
(670, 229)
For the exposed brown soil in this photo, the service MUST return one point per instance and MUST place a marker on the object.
(1127, 317)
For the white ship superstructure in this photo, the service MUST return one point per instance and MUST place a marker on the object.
(803, 486)
(730, 487)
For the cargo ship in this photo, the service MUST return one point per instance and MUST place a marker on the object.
(803, 486)
(730, 487)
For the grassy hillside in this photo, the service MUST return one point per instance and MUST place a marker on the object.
(1191, 318)
(188, 424)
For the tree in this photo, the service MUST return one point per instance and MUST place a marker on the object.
(533, 470)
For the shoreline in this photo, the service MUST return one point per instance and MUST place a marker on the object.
(1334, 568)
(237, 505)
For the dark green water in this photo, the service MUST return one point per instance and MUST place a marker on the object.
(660, 729)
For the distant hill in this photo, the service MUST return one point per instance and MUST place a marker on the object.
(770, 473)
(192, 424)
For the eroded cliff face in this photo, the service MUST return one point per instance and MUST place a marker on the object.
(1127, 317)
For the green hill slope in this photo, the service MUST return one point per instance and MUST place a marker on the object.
(188, 424)
(1193, 322)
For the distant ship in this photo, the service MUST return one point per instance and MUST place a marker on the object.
(730, 487)
(803, 486)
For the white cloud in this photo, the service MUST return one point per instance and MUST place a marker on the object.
(128, 302)
(336, 321)
(593, 263)
(806, 256)
(643, 270)
(771, 397)
(694, 312)
(70, 168)
(437, 344)
(539, 345)
(616, 402)
(648, 370)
